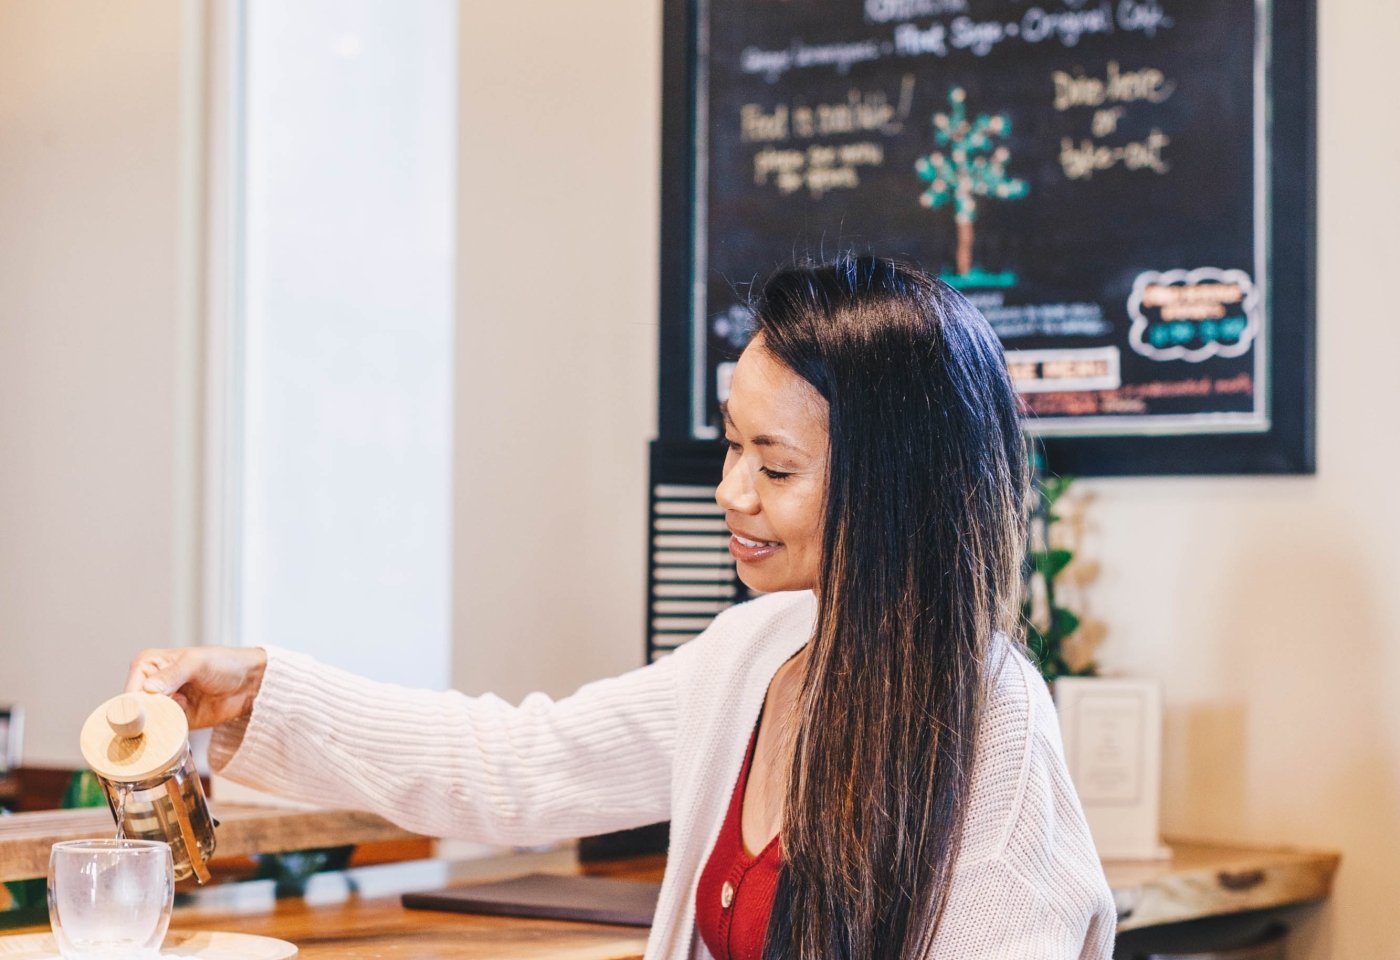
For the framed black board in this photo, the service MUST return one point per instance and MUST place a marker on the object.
(1125, 188)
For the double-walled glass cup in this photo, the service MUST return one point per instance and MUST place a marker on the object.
(110, 899)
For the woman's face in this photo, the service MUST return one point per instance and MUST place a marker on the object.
(774, 474)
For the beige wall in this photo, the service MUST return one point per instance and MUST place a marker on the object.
(556, 350)
(90, 292)
(1266, 606)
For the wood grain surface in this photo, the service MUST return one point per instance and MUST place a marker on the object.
(382, 927)
(363, 918)
(25, 838)
(357, 927)
(203, 945)
(360, 930)
(1203, 879)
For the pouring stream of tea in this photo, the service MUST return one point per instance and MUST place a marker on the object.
(123, 792)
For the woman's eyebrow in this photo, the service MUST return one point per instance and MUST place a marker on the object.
(763, 439)
(768, 440)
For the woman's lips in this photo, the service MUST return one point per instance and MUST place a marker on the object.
(748, 550)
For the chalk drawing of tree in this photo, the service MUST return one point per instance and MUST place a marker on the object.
(970, 169)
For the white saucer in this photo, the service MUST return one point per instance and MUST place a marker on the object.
(178, 943)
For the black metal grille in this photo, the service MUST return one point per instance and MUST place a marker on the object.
(690, 574)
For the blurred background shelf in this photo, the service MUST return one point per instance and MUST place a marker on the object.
(244, 830)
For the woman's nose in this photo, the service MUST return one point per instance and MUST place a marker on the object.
(735, 492)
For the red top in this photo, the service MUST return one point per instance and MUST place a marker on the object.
(735, 894)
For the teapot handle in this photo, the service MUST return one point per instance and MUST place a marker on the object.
(192, 848)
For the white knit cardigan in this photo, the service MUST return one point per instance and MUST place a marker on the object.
(666, 742)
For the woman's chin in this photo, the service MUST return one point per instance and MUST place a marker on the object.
(759, 580)
(752, 578)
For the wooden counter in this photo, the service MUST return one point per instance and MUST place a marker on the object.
(357, 913)
(364, 925)
(1204, 879)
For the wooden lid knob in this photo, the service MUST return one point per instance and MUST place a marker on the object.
(126, 716)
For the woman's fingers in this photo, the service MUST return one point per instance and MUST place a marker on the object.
(211, 684)
(149, 667)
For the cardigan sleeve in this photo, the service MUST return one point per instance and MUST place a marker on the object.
(448, 765)
(1028, 884)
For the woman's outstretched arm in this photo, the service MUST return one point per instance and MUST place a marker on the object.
(438, 763)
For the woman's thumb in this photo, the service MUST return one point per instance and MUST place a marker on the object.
(162, 674)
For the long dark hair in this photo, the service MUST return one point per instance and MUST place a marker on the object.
(923, 539)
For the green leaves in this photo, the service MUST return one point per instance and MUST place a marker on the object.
(1044, 563)
(1063, 622)
(1052, 488)
(1046, 646)
(291, 870)
(1049, 563)
(83, 790)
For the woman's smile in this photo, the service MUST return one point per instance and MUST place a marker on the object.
(749, 549)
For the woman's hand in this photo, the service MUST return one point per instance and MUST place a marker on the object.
(212, 684)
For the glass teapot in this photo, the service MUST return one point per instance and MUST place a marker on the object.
(138, 745)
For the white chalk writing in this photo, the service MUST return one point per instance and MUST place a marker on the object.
(1076, 89)
(772, 64)
(820, 168)
(887, 11)
(1082, 160)
(1068, 26)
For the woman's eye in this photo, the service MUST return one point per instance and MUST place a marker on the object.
(774, 474)
(730, 444)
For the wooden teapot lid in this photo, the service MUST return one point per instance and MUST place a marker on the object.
(135, 737)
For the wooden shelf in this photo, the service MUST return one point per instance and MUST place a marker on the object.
(244, 829)
(1204, 879)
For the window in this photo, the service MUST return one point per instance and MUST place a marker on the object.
(331, 357)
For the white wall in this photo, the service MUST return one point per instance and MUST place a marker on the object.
(1266, 606)
(93, 515)
(556, 340)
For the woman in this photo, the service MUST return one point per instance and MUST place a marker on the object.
(867, 726)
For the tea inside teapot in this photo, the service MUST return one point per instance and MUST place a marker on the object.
(138, 746)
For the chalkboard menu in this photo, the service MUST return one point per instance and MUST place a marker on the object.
(1124, 188)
